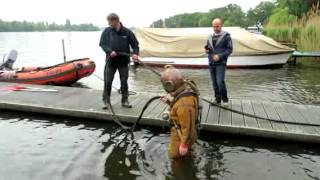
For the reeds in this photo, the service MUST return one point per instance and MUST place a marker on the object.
(304, 32)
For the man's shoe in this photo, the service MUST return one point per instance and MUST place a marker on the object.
(225, 103)
(126, 104)
(106, 106)
(216, 102)
(106, 103)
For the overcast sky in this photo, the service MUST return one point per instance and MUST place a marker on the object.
(132, 13)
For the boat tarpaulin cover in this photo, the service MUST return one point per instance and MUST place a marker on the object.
(190, 42)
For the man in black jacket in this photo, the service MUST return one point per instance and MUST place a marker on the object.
(115, 42)
(219, 47)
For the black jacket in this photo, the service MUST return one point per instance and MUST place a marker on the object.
(223, 48)
(119, 41)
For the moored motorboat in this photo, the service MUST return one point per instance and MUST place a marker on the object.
(184, 47)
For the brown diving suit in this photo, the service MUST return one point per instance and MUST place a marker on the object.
(183, 112)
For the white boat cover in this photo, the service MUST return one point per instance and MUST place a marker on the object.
(190, 42)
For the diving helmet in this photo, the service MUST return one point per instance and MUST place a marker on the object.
(171, 78)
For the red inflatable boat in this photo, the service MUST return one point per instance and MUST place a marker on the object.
(61, 74)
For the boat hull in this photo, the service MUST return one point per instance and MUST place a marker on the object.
(233, 61)
(61, 74)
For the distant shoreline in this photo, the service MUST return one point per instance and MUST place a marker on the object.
(46, 31)
(25, 26)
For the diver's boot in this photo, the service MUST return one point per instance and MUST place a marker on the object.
(106, 103)
(125, 103)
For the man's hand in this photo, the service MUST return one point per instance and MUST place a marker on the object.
(135, 58)
(216, 57)
(113, 54)
(207, 49)
(183, 149)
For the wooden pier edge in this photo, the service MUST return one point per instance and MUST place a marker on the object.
(104, 116)
(256, 132)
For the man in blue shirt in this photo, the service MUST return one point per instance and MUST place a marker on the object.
(219, 47)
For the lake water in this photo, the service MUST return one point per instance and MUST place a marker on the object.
(42, 147)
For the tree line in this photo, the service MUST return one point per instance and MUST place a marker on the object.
(233, 15)
(24, 26)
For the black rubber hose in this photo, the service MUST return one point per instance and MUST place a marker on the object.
(211, 103)
(143, 110)
(257, 117)
(116, 119)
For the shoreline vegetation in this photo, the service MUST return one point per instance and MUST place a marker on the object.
(303, 31)
(25, 26)
(288, 21)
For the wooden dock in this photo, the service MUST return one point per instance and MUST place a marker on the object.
(86, 103)
(299, 54)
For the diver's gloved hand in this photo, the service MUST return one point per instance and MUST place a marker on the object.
(167, 99)
(183, 149)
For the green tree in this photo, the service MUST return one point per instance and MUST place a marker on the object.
(296, 7)
(232, 15)
(260, 13)
(281, 16)
(68, 25)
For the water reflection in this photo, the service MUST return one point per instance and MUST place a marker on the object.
(38, 147)
(143, 155)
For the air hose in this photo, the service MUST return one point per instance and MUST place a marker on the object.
(192, 85)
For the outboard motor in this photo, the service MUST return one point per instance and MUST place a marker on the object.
(11, 58)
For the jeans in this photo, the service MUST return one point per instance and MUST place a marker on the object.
(217, 73)
(109, 71)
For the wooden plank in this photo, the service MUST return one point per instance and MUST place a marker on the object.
(225, 116)
(312, 113)
(81, 100)
(205, 110)
(137, 105)
(161, 109)
(305, 54)
(213, 115)
(247, 108)
(297, 117)
(237, 119)
(308, 115)
(156, 110)
(285, 116)
(259, 111)
(273, 114)
(135, 101)
(151, 108)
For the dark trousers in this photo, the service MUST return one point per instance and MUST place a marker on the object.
(217, 73)
(109, 71)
